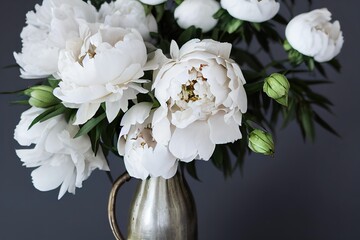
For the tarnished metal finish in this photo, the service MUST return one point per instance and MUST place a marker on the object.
(163, 209)
(112, 205)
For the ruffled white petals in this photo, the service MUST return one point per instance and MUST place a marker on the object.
(312, 34)
(60, 159)
(128, 14)
(48, 29)
(25, 136)
(105, 67)
(137, 114)
(251, 10)
(192, 142)
(198, 13)
(143, 155)
(202, 99)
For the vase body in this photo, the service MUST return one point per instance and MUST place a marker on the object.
(163, 209)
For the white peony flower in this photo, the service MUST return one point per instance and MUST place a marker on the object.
(251, 10)
(152, 2)
(128, 14)
(202, 99)
(143, 156)
(47, 30)
(104, 67)
(60, 159)
(198, 13)
(313, 35)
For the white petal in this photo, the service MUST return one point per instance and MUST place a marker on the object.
(136, 114)
(112, 110)
(174, 50)
(133, 164)
(161, 126)
(85, 112)
(222, 132)
(47, 177)
(192, 141)
(159, 161)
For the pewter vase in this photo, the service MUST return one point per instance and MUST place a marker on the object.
(162, 209)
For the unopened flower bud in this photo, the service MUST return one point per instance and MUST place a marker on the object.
(261, 142)
(276, 86)
(41, 96)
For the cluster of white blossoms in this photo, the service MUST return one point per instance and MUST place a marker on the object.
(100, 58)
(61, 159)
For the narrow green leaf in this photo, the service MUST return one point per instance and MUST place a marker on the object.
(252, 88)
(87, 127)
(219, 13)
(280, 19)
(306, 120)
(335, 64)
(234, 25)
(325, 125)
(14, 92)
(58, 110)
(43, 115)
(186, 35)
(11, 66)
(289, 113)
(21, 102)
(191, 169)
(320, 68)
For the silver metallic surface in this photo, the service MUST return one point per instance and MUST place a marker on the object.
(163, 209)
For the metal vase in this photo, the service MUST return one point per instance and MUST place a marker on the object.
(162, 209)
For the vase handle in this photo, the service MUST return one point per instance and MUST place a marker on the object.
(125, 177)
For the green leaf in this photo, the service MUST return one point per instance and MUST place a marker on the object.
(280, 19)
(289, 113)
(255, 87)
(306, 120)
(49, 113)
(21, 102)
(11, 66)
(219, 13)
(320, 68)
(257, 26)
(87, 127)
(335, 64)
(191, 169)
(160, 10)
(244, 57)
(325, 125)
(54, 83)
(234, 25)
(310, 64)
(221, 160)
(178, 2)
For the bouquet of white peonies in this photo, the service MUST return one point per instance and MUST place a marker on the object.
(163, 83)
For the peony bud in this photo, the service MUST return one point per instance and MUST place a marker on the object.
(276, 86)
(41, 96)
(261, 142)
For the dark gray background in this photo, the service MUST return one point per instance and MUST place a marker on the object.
(308, 191)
